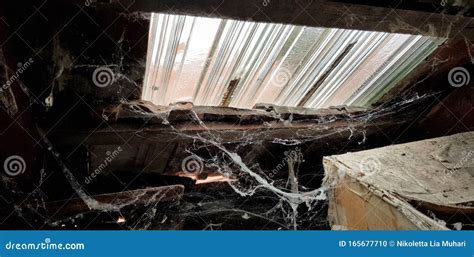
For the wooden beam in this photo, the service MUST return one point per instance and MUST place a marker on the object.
(141, 197)
(233, 125)
(319, 13)
(433, 70)
(119, 134)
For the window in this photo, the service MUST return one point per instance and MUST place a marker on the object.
(221, 62)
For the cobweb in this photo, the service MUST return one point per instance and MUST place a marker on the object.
(251, 180)
(279, 202)
(276, 202)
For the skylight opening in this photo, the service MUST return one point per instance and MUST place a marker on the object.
(222, 62)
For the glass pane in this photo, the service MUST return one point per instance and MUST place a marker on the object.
(219, 62)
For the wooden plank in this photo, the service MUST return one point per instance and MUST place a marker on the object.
(230, 124)
(321, 13)
(154, 114)
(141, 197)
(354, 207)
(119, 134)
(435, 172)
(237, 125)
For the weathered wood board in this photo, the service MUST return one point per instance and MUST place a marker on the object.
(376, 189)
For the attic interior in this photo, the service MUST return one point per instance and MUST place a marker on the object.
(218, 115)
